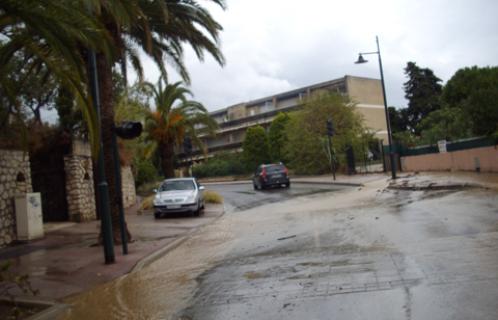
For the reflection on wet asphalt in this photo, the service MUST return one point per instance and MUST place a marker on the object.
(241, 197)
(408, 255)
(340, 255)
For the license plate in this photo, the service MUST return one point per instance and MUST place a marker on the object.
(174, 207)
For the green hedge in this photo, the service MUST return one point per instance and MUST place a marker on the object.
(219, 166)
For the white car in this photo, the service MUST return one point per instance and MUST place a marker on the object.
(179, 195)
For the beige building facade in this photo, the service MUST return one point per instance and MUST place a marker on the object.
(233, 121)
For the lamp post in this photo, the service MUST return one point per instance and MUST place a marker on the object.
(388, 122)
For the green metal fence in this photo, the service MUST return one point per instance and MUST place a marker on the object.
(471, 143)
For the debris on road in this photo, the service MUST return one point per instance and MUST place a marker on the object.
(411, 183)
(285, 238)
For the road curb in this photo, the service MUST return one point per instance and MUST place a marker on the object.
(214, 183)
(158, 254)
(51, 308)
(338, 183)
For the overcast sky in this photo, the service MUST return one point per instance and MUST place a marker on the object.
(273, 46)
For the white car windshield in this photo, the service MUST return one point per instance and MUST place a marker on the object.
(177, 185)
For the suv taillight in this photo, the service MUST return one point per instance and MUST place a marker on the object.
(263, 173)
(286, 171)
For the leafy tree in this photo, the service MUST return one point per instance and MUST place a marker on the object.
(70, 117)
(255, 148)
(447, 123)
(130, 107)
(423, 92)
(306, 132)
(398, 119)
(277, 137)
(406, 138)
(475, 91)
(175, 118)
(34, 89)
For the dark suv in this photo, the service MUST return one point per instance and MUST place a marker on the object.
(268, 175)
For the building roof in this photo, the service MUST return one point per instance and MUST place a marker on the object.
(289, 94)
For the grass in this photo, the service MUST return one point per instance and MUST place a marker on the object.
(212, 197)
(147, 203)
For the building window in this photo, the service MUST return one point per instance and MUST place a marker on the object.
(268, 106)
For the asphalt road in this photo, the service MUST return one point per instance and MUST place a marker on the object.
(359, 253)
(404, 255)
(242, 196)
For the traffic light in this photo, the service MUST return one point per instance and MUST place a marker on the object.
(128, 129)
(330, 128)
(187, 145)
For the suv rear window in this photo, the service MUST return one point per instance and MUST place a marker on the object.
(274, 168)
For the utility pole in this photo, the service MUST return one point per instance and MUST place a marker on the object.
(386, 111)
(330, 133)
(187, 148)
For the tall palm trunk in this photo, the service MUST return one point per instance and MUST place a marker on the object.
(107, 124)
(167, 158)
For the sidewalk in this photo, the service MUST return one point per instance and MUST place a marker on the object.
(68, 260)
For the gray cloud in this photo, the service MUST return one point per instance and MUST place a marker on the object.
(278, 45)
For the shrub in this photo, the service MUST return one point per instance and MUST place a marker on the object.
(146, 172)
(224, 164)
(212, 197)
(147, 203)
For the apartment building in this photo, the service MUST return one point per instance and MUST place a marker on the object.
(234, 120)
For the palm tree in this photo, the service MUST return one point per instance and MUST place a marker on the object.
(159, 28)
(175, 118)
(31, 30)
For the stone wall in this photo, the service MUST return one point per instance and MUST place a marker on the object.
(79, 183)
(128, 187)
(15, 177)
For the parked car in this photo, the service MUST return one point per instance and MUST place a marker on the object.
(268, 175)
(179, 195)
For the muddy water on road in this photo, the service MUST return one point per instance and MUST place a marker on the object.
(354, 255)
(399, 255)
(167, 286)
(160, 288)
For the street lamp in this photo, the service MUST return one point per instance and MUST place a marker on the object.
(389, 136)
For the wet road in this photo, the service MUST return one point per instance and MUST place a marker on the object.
(407, 255)
(240, 197)
(349, 254)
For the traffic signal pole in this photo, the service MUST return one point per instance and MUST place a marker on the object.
(127, 130)
(119, 193)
